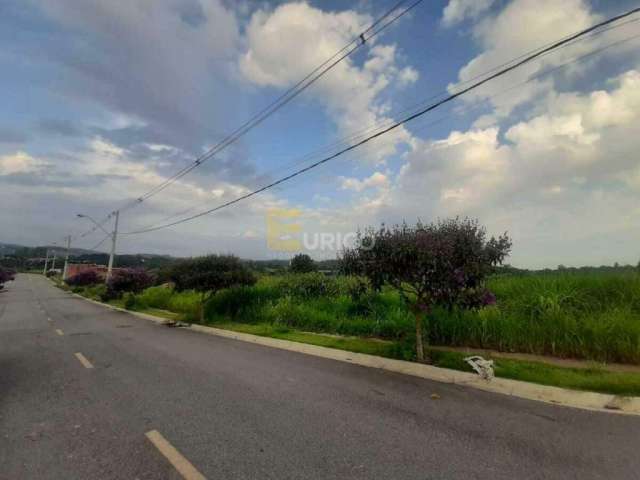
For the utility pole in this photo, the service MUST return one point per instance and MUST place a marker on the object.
(46, 262)
(66, 259)
(53, 264)
(114, 237)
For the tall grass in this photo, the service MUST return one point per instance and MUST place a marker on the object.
(584, 315)
(593, 316)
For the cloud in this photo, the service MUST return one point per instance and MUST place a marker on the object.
(165, 63)
(376, 180)
(19, 163)
(524, 25)
(285, 44)
(565, 177)
(457, 11)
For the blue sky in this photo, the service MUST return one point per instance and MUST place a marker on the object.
(104, 100)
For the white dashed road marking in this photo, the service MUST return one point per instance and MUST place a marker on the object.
(181, 464)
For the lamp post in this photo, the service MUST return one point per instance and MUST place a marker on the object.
(66, 258)
(46, 263)
(113, 235)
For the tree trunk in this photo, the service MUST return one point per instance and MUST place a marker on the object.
(202, 300)
(420, 355)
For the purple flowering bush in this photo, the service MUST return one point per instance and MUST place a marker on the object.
(83, 279)
(442, 264)
(6, 275)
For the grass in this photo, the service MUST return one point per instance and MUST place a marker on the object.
(588, 379)
(591, 316)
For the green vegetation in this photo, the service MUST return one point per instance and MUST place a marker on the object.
(591, 379)
(593, 316)
(590, 316)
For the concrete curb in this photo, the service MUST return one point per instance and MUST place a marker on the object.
(554, 395)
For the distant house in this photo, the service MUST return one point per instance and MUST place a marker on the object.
(76, 268)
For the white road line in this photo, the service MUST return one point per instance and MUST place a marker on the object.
(59, 332)
(83, 360)
(181, 464)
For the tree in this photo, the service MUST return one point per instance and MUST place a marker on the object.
(440, 264)
(209, 274)
(302, 263)
(132, 280)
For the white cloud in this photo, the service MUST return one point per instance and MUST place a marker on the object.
(19, 162)
(407, 76)
(524, 25)
(565, 182)
(284, 45)
(376, 180)
(458, 10)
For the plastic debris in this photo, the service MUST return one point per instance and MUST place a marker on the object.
(483, 367)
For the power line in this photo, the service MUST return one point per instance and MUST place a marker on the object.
(380, 124)
(280, 102)
(480, 104)
(285, 98)
(499, 73)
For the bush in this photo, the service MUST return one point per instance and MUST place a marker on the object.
(209, 274)
(187, 302)
(96, 292)
(128, 280)
(308, 285)
(6, 275)
(241, 301)
(84, 278)
(156, 297)
(129, 300)
(302, 263)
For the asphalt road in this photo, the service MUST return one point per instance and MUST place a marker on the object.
(241, 411)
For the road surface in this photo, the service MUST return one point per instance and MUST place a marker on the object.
(233, 410)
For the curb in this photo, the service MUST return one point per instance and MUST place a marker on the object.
(601, 402)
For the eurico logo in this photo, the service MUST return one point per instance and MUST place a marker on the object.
(285, 234)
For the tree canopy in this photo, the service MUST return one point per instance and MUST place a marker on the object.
(302, 263)
(443, 263)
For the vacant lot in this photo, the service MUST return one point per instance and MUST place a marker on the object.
(593, 316)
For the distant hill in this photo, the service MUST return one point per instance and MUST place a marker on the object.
(21, 256)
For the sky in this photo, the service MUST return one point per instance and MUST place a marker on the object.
(102, 101)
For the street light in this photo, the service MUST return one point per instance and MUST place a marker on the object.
(113, 235)
(82, 215)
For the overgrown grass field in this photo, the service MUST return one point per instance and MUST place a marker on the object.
(593, 316)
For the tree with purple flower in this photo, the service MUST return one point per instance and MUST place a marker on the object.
(442, 264)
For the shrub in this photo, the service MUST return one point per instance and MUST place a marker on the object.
(209, 274)
(187, 302)
(84, 278)
(302, 263)
(128, 280)
(308, 285)
(156, 297)
(97, 292)
(242, 301)
(129, 300)
(5, 277)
